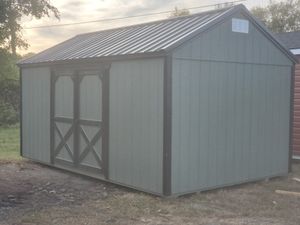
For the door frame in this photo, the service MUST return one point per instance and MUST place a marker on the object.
(102, 69)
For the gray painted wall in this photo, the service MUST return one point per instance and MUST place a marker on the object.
(136, 124)
(221, 44)
(230, 120)
(36, 113)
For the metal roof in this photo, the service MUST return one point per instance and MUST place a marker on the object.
(151, 38)
(291, 40)
(142, 38)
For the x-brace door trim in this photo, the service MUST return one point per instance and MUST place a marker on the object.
(76, 121)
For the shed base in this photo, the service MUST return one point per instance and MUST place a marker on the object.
(265, 178)
(94, 176)
(174, 195)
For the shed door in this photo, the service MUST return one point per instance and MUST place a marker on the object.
(78, 123)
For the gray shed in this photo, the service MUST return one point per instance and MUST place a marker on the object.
(168, 107)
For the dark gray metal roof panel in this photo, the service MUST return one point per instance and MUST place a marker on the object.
(291, 40)
(142, 38)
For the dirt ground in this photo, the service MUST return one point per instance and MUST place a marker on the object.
(32, 194)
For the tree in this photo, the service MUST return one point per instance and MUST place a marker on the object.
(9, 88)
(11, 12)
(179, 12)
(282, 16)
(8, 69)
(28, 55)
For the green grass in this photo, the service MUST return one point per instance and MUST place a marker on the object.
(10, 143)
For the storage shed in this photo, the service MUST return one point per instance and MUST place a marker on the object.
(291, 40)
(168, 107)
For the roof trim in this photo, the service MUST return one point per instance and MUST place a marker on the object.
(96, 59)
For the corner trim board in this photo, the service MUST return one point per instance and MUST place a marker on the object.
(167, 127)
(76, 104)
(105, 137)
(52, 96)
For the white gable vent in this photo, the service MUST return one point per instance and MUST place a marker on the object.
(240, 25)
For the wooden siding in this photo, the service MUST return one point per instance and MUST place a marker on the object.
(230, 120)
(136, 124)
(36, 113)
(230, 124)
(221, 44)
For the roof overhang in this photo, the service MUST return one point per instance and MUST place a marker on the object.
(96, 59)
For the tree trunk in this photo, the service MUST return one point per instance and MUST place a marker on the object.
(13, 40)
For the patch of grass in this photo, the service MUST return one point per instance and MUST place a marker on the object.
(10, 143)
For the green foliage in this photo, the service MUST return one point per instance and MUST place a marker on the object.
(179, 12)
(11, 12)
(8, 115)
(8, 68)
(9, 89)
(282, 16)
(10, 92)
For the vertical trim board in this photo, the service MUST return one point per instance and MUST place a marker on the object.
(52, 96)
(105, 119)
(76, 104)
(167, 142)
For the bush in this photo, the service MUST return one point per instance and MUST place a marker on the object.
(9, 102)
(9, 89)
(8, 115)
(10, 93)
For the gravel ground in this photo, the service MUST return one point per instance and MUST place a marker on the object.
(33, 194)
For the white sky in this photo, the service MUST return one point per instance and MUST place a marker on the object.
(85, 10)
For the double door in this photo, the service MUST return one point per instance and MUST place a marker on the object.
(79, 116)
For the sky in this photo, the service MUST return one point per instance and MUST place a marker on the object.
(86, 10)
